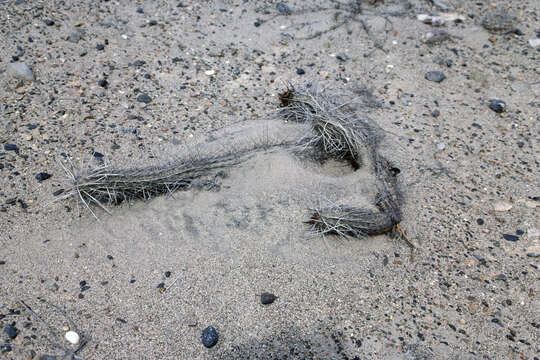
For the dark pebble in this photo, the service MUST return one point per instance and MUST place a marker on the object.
(520, 232)
(82, 283)
(103, 83)
(435, 76)
(144, 98)
(510, 237)
(480, 221)
(110, 257)
(267, 298)
(161, 286)
(140, 10)
(10, 147)
(180, 5)
(167, 274)
(257, 24)
(85, 288)
(98, 155)
(11, 331)
(533, 255)
(209, 337)
(42, 176)
(139, 63)
(5, 348)
(2, 262)
(283, 9)
(83, 53)
(435, 113)
(300, 71)
(497, 105)
(120, 320)
(48, 22)
(152, 22)
(100, 46)
(58, 192)
(342, 57)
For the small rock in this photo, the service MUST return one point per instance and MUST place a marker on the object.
(140, 10)
(42, 176)
(11, 331)
(510, 237)
(58, 192)
(283, 9)
(435, 113)
(300, 71)
(435, 76)
(103, 83)
(144, 98)
(5, 348)
(441, 146)
(209, 337)
(210, 72)
(48, 22)
(100, 47)
(534, 43)
(152, 22)
(20, 71)
(497, 105)
(342, 57)
(167, 274)
(502, 206)
(267, 298)
(11, 147)
(72, 337)
(83, 53)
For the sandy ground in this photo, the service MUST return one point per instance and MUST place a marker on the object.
(470, 176)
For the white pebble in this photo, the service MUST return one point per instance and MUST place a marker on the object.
(210, 72)
(72, 337)
(502, 206)
(534, 42)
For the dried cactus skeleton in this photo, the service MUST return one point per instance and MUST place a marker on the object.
(332, 129)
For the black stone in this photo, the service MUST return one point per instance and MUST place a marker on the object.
(5, 348)
(58, 192)
(520, 232)
(283, 9)
(497, 105)
(480, 221)
(435, 76)
(98, 155)
(48, 22)
(267, 298)
(144, 98)
(257, 24)
(167, 274)
(510, 237)
(110, 257)
(103, 83)
(139, 63)
(435, 113)
(300, 71)
(42, 176)
(209, 337)
(342, 57)
(161, 285)
(100, 46)
(152, 22)
(140, 10)
(11, 331)
(10, 147)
